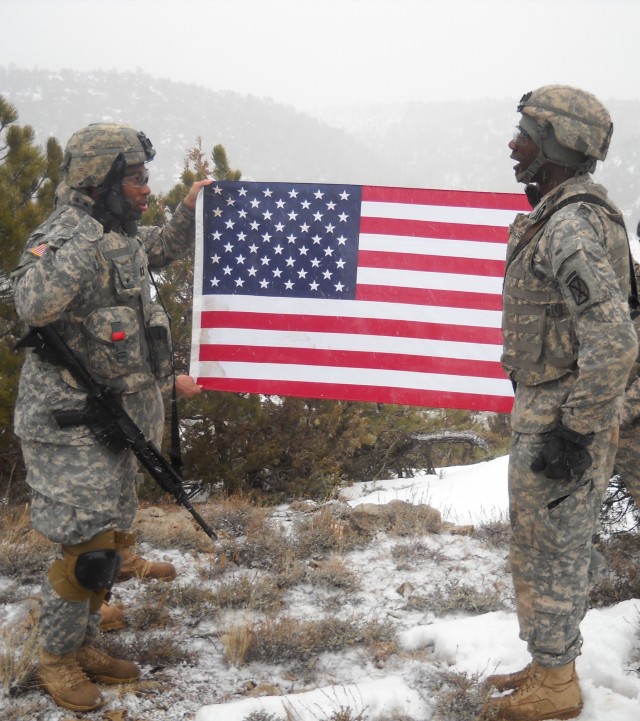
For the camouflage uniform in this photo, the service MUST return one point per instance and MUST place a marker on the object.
(627, 463)
(89, 283)
(568, 345)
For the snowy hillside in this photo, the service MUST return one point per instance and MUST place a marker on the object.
(398, 624)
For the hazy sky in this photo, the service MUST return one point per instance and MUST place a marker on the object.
(316, 53)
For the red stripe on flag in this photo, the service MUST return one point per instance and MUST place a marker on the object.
(432, 229)
(459, 198)
(353, 326)
(429, 297)
(349, 359)
(396, 396)
(430, 263)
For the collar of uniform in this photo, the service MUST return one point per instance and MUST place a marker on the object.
(554, 196)
(73, 196)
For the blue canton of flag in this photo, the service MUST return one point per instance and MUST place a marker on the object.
(281, 240)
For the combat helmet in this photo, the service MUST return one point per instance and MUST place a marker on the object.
(570, 126)
(90, 152)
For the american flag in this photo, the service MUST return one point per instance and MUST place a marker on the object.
(351, 292)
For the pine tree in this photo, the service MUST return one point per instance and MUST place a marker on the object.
(28, 176)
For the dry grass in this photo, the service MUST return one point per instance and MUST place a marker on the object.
(457, 597)
(325, 532)
(334, 574)
(458, 697)
(193, 602)
(621, 579)
(236, 516)
(19, 659)
(261, 716)
(252, 594)
(236, 643)
(287, 639)
(495, 534)
(413, 555)
(183, 534)
(24, 553)
(264, 546)
(156, 650)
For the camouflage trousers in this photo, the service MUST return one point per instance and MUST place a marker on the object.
(627, 463)
(553, 562)
(88, 490)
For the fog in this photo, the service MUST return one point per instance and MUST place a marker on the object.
(321, 53)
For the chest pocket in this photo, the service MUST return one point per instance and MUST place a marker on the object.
(114, 343)
(128, 274)
(128, 267)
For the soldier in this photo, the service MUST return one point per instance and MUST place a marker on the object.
(568, 346)
(85, 270)
(628, 456)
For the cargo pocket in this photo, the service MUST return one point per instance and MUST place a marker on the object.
(565, 523)
(128, 277)
(113, 342)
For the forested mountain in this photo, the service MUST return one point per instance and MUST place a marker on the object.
(267, 141)
(459, 145)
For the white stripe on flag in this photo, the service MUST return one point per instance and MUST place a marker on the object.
(356, 376)
(432, 281)
(432, 246)
(354, 309)
(348, 342)
(437, 213)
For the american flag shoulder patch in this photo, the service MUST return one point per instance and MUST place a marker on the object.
(39, 250)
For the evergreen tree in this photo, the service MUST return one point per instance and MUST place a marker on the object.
(28, 176)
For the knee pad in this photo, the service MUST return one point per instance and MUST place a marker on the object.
(97, 570)
(86, 571)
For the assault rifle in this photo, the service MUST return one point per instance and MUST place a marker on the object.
(105, 416)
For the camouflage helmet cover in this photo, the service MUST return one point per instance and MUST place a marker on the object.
(579, 120)
(90, 152)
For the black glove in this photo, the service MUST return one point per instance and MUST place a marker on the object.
(564, 455)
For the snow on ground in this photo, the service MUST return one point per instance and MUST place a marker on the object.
(482, 644)
(463, 494)
(212, 690)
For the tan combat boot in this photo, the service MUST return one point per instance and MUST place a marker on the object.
(63, 679)
(510, 681)
(99, 666)
(133, 566)
(548, 693)
(111, 617)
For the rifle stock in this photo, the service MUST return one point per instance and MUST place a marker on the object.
(105, 416)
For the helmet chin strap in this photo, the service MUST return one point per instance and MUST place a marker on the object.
(110, 207)
(527, 175)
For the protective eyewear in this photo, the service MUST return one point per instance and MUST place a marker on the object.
(520, 136)
(136, 180)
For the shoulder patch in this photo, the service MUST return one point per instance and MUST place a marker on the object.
(39, 250)
(578, 288)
